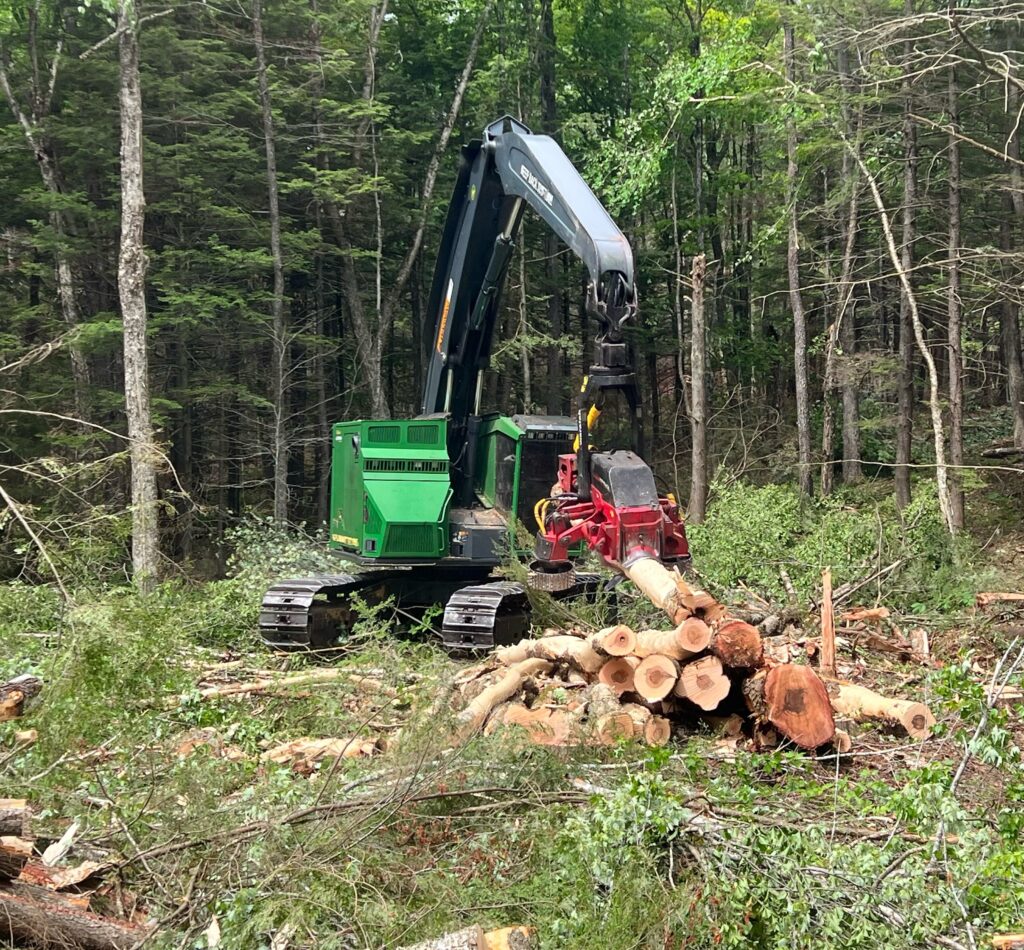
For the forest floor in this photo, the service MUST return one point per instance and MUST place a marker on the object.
(698, 844)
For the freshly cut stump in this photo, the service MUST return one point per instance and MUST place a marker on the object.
(654, 678)
(797, 704)
(617, 674)
(704, 683)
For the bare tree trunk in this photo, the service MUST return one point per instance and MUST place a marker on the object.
(803, 412)
(935, 397)
(697, 507)
(954, 311)
(849, 384)
(278, 328)
(549, 123)
(66, 277)
(1011, 312)
(131, 284)
(905, 391)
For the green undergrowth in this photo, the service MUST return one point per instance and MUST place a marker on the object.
(695, 845)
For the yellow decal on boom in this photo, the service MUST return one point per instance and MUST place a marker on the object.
(444, 315)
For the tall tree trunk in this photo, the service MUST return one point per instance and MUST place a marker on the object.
(905, 387)
(1010, 328)
(66, 275)
(934, 394)
(803, 411)
(697, 507)
(549, 123)
(131, 284)
(954, 311)
(279, 369)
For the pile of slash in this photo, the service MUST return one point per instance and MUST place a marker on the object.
(710, 670)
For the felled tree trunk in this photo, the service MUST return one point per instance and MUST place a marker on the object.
(15, 692)
(562, 649)
(511, 681)
(793, 699)
(663, 588)
(14, 855)
(859, 703)
(704, 683)
(691, 637)
(654, 678)
(738, 645)
(614, 641)
(617, 674)
(33, 916)
(14, 816)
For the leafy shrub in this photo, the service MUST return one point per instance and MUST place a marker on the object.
(753, 533)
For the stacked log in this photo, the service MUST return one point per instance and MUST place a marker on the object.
(40, 904)
(710, 668)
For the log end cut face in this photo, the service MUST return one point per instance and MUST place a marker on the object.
(797, 704)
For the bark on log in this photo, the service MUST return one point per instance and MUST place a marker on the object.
(544, 725)
(32, 916)
(14, 855)
(662, 587)
(690, 638)
(617, 674)
(14, 817)
(510, 682)
(738, 645)
(654, 678)
(859, 703)
(704, 683)
(797, 704)
(657, 731)
(15, 692)
(561, 649)
(614, 641)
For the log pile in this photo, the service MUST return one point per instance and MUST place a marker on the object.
(710, 669)
(46, 905)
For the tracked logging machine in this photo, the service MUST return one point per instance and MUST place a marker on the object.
(426, 507)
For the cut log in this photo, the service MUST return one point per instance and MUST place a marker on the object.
(704, 683)
(309, 678)
(613, 727)
(873, 615)
(989, 598)
(614, 641)
(14, 817)
(14, 855)
(797, 704)
(640, 715)
(617, 674)
(715, 613)
(561, 649)
(703, 602)
(662, 587)
(657, 731)
(309, 751)
(654, 678)
(689, 639)
(32, 916)
(1008, 941)
(474, 938)
(508, 684)
(860, 703)
(544, 725)
(738, 645)
(842, 742)
(827, 660)
(511, 938)
(14, 693)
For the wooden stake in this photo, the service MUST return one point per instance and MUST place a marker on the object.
(827, 661)
(654, 678)
(704, 683)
